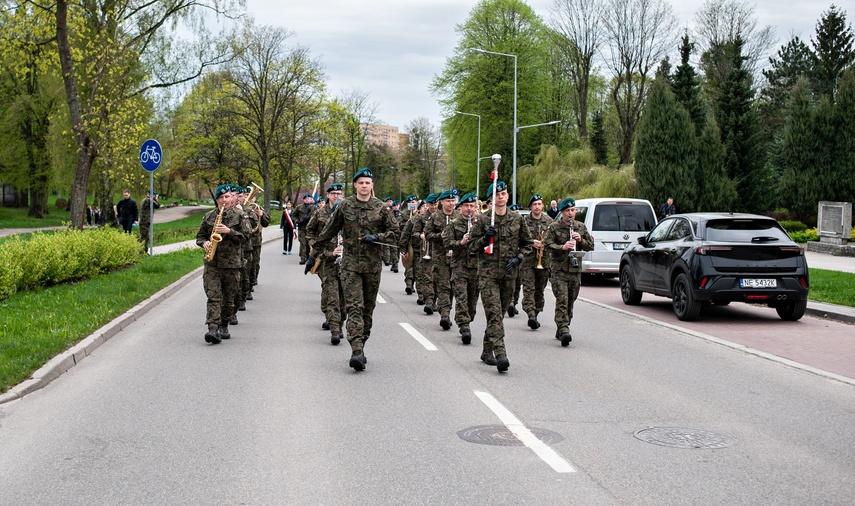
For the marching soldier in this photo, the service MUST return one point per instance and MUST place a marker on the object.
(406, 241)
(497, 270)
(257, 240)
(441, 256)
(221, 277)
(566, 234)
(363, 223)
(512, 307)
(249, 220)
(302, 215)
(332, 297)
(464, 265)
(387, 253)
(145, 217)
(424, 271)
(534, 279)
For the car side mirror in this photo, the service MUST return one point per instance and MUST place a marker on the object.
(642, 240)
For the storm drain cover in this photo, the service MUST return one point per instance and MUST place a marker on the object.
(499, 435)
(680, 437)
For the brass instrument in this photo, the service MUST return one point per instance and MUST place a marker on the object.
(215, 237)
(407, 261)
(426, 247)
(540, 251)
(339, 258)
(484, 207)
(449, 253)
(316, 265)
(254, 192)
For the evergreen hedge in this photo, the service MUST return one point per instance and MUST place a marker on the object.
(45, 259)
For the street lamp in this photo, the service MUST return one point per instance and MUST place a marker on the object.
(515, 114)
(477, 159)
(539, 124)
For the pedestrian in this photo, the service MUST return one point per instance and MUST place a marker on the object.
(533, 273)
(363, 223)
(146, 217)
(500, 240)
(441, 257)
(463, 265)
(566, 234)
(289, 231)
(667, 209)
(221, 276)
(553, 209)
(301, 216)
(127, 212)
(89, 215)
(98, 216)
(329, 254)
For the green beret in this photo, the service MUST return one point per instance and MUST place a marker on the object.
(469, 197)
(223, 188)
(387, 199)
(430, 199)
(363, 172)
(568, 202)
(534, 198)
(515, 207)
(410, 198)
(395, 203)
(335, 187)
(500, 187)
(447, 194)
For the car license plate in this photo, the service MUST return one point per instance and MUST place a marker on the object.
(757, 283)
(620, 245)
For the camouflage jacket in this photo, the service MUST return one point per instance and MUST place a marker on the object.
(512, 239)
(145, 215)
(559, 233)
(313, 229)
(462, 256)
(248, 222)
(434, 226)
(354, 218)
(538, 231)
(302, 214)
(407, 237)
(230, 250)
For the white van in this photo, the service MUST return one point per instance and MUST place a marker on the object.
(614, 223)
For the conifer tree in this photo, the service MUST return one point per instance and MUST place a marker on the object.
(833, 51)
(598, 139)
(800, 183)
(715, 191)
(793, 60)
(686, 86)
(844, 150)
(665, 150)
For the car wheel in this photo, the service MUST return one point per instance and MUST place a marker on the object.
(685, 306)
(791, 310)
(630, 296)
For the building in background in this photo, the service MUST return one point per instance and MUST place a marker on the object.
(381, 135)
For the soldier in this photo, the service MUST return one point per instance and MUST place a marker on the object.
(566, 234)
(393, 251)
(387, 252)
(249, 220)
(441, 256)
(406, 241)
(512, 307)
(301, 215)
(257, 240)
(146, 216)
(332, 297)
(534, 279)
(497, 270)
(363, 223)
(221, 277)
(464, 265)
(424, 270)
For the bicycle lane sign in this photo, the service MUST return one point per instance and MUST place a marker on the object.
(150, 155)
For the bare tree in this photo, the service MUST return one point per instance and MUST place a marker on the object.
(578, 28)
(362, 111)
(640, 33)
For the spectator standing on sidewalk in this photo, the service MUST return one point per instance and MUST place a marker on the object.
(127, 212)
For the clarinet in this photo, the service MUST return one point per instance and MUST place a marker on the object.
(574, 261)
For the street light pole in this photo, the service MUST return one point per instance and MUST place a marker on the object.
(477, 157)
(514, 183)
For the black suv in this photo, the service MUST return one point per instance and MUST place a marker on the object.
(717, 258)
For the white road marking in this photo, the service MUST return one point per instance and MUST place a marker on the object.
(546, 453)
(418, 337)
(380, 300)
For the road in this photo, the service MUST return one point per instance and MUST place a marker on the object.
(275, 415)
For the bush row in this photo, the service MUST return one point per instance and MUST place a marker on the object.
(46, 259)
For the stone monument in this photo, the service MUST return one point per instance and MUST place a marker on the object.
(834, 226)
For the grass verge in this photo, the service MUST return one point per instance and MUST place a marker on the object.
(16, 217)
(832, 287)
(35, 326)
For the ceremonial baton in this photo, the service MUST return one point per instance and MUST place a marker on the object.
(488, 250)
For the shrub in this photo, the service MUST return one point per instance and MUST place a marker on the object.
(61, 204)
(793, 226)
(804, 235)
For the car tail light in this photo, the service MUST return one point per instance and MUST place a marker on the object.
(799, 249)
(757, 297)
(704, 250)
(803, 281)
(704, 281)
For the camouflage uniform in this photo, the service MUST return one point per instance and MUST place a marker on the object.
(301, 216)
(248, 222)
(361, 265)
(565, 279)
(440, 260)
(406, 239)
(464, 274)
(257, 239)
(534, 280)
(145, 220)
(221, 277)
(332, 297)
(390, 255)
(424, 268)
(512, 240)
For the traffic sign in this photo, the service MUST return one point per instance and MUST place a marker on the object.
(150, 155)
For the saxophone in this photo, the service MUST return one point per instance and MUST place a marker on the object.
(215, 237)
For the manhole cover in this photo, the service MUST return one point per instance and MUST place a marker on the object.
(499, 435)
(680, 437)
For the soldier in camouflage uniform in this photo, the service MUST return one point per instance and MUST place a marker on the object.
(332, 296)
(441, 256)
(534, 279)
(221, 277)
(363, 223)
(257, 240)
(565, 234)
(464, 265)
(248, 222)
(497, 271)
(406, 240)
(301, 216)
(145, 217)
(512, 307)
(387, 251)
(424, 269)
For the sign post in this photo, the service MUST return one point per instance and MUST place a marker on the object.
(150, 156)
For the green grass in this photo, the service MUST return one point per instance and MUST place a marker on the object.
(35, 326)
(16, 217)
(178, 230)
(832, 287)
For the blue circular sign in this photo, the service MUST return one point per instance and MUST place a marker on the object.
(150, 155)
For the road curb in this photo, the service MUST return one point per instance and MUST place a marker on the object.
(829, 311)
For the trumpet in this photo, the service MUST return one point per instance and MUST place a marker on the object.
(540, 251)
(426, 247)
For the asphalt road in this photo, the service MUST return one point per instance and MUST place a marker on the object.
(275, 415)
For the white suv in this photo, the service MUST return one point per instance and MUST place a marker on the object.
(614, 223)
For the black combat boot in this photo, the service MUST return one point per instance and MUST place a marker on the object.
(566, 338)
(223, 332)
(445, 323)
(249, 295)
(211, 335)
(242, 306)
(325, 325)
(533, 324)
(409, 290)
(465, 336)
(512, 310)
(502, 362)
(488, 358)
(335, 338)
(357, 360)
(429, 309)
(420, 301)
(234, 320)
(395, 268)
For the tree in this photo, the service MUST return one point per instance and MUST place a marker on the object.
(686, 85)
(361, 111)
(793, 60)
(844, 160)
(599, 145)
(833, 51)
(715, 191)
(800, 185)
(639, 34)
(665, 150)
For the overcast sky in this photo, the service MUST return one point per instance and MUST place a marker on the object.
(392, 49)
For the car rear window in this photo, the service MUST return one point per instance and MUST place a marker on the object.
(745, 230)
(623, 218)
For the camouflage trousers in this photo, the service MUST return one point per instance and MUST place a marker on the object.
(410, 273)
(360, 296)
(517, 288)
(256, 264)
(144, 237)
(424, 279)
(565, 286)
(390, 255)
(464, 283)
(221, 288)
(495, 296)
(533, 286)
(332, 296)
(245, 282)
(304, 245)
(442, 284)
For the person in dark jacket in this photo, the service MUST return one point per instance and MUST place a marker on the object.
(127, 212)
(667, 209)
